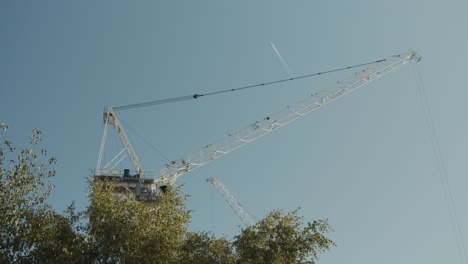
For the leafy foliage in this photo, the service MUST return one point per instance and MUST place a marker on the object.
(279, 238)
(24, 187)
(116, 228)
(124, 230)
(59, 242)
(205, 248)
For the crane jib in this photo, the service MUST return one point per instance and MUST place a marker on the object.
(172, 171)
(145, 185)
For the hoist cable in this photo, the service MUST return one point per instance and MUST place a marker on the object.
(196, 96)
(442, 169)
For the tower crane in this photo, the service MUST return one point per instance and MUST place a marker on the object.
(147, 186)
(246, 218)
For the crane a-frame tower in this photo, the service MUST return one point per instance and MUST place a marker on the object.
(146, 187)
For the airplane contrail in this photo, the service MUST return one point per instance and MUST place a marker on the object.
(281, 59)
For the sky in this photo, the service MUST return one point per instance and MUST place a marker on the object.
(374, 163)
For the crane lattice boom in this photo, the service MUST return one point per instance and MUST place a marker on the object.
(171, 172)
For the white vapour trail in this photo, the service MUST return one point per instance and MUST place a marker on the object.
(281, 59)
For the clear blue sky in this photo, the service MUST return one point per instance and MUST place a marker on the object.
(364, 162)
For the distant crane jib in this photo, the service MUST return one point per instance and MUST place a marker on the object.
(244, 215)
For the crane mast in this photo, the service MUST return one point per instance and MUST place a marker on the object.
(172, 171)
(246, 218)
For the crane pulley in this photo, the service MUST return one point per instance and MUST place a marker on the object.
(144, 186)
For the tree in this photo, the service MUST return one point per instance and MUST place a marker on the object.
(62, 240)
(203, 247)
(279, 238)
(124, 230)
(24, 187)
(116, 228)
(30, 231)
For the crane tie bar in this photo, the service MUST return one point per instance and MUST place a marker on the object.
(196, 96)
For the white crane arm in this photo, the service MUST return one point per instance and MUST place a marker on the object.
(172, 171)
(241, 212)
